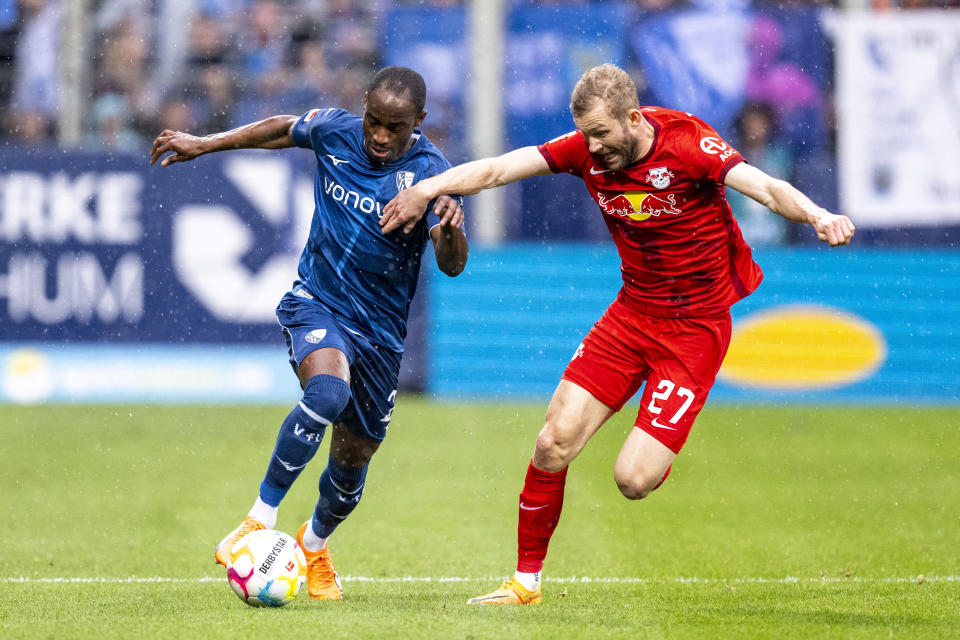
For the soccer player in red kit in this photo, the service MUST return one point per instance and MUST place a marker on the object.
(658, 176)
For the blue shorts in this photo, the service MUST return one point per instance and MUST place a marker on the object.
(308, 325)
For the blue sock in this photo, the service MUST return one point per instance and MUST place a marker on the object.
(324, 397)
(340, 491)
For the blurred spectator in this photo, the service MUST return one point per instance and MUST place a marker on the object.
(9, 34)
(756, 125)
(207, 43)
(122, 60)
(211, 76)
(792, 4)
(112, 126)
(234, 61)
(30, 128)
(265, 45)
(176, 114)
(440, 4)
(211, 101)
(312, 84)
(223, 8)
(659, 5)
(124, 96)
(36, 83)
(264, 40)
(773, 78)
(352, 39)
(352, 87)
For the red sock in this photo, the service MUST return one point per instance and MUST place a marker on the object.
(540, 503)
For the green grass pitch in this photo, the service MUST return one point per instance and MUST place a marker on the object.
(776, 523)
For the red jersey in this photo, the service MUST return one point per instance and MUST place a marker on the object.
(681, 251)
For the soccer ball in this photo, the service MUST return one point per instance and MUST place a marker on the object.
(266, 568)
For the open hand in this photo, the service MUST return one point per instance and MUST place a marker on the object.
(183, 145)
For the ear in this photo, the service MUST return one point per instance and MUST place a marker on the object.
(365, 94)
(634, 117)
(423, 114)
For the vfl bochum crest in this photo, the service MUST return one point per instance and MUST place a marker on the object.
(404, 180)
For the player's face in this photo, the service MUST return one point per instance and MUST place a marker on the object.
(388, 123)
(613, 143)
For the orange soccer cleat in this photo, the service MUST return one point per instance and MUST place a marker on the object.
(222, 552)
(323, 582)
(511, 592)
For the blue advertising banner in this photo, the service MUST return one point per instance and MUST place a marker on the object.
(99, 249)
(107, 248)
(825, 326)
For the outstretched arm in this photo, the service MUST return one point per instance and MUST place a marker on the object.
(272, 133)
(466, 179)
(786, 200)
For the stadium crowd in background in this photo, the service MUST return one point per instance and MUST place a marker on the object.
(209, 65)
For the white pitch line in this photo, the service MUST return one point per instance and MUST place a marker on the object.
(567, 580)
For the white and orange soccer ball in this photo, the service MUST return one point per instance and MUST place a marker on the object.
(266, 568)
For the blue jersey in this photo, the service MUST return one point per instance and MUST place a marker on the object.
(365, 277)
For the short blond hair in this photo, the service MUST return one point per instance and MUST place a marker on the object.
(608, 83)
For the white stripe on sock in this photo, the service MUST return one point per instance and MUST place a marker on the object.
(314, 415)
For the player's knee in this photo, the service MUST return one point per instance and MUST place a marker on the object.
(636, 486)
(552, 449)
(545, 442)
(324, 397)
(633, 490)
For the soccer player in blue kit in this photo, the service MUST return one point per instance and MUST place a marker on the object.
(345, 318)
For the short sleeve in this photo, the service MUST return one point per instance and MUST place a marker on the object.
(565, 154)
(308, 129)
(708, 155)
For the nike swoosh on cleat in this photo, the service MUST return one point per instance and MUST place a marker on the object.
(483, 598)
(526, 508)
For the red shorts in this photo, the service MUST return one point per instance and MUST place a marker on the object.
(678, 358)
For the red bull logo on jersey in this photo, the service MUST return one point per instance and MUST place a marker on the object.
(638, 205)
(660, 177)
